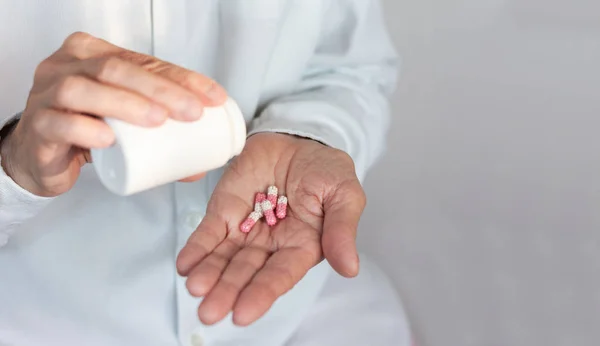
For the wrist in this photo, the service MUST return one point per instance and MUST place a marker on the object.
(5, 148)
(8, 154)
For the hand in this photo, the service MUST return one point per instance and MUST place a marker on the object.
(246, 273)
(87, 79)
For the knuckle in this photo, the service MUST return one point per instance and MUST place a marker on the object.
(351, 190)
(341, 246)
(160, 92)
(189, 80)
(66, 89)
(361, 196)
(109, 68)
(37, 125)
(44, 68)
(136, 108)
(77, 39)
(40, 122)
(138, 58)
(63, 129)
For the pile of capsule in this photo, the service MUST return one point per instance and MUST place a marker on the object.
(271, 206)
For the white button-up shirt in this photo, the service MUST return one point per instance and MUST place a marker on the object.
(92, 268)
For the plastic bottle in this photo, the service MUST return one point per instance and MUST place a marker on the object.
(144, 158)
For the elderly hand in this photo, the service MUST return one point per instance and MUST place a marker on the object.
(86, 79)
(246, 273)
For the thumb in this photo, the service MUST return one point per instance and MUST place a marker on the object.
(342, 214)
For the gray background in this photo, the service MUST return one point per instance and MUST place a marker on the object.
(486, 209)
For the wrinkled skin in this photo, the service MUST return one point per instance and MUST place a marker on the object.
(246, 273)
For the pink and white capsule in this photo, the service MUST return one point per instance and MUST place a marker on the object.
(260, 197)
(272, 195)
(281, 209)
(250, 221)
(270, 217)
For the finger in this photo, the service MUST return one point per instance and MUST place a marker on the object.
(210, 92)
(71, 128)
(221, 299)
(205, 274)
(193, 178)
(342, 214)
(281, 272)
(209, 234)
(83, 46)
(83, 95)
(183, 104)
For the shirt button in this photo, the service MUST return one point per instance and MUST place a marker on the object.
(197, 340)
(193, 220)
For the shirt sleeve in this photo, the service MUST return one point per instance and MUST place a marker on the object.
(343, 97)
(17, 205)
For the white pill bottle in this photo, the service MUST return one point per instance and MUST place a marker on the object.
(144, 158)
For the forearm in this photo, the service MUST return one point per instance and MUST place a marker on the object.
(336, 116)
(342, 99)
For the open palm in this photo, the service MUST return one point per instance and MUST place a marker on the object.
(246, 273)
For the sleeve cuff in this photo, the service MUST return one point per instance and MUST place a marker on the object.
(314, 120)
(16, 205)
(320, 121)
(315, 132)
(13, 194)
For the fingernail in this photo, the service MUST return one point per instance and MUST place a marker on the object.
(215, 93)
(156, 115)
(193, 109)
